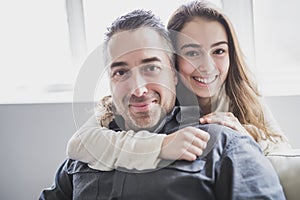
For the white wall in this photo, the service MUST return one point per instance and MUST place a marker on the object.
(32, 146)
(286, 111)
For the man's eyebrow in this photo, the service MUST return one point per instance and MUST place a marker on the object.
(152, 59)
(190, 45)
(118, 64)
(146, 60)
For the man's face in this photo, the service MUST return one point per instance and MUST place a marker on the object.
(142, 79)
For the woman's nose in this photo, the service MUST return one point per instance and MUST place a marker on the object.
(205, 64)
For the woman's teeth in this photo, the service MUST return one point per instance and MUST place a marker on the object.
(205, 80)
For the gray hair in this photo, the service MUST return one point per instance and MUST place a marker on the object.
(139, 19)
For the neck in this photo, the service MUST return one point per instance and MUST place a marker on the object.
(208, 104)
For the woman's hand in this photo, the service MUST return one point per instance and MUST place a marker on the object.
(225, 119)
(184, 144)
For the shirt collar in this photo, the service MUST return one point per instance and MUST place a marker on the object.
(179, 115)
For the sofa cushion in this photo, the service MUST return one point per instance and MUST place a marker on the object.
(287, 166)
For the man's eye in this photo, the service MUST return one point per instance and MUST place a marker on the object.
(119, 74)
(152, 68)
(192, 53)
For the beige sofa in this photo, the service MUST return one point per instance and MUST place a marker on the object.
(287, 165)
(286, 161)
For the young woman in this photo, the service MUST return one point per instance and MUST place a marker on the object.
(211, 66)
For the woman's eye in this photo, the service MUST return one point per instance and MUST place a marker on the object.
(219, 51)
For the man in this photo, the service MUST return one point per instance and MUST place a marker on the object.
(143, 80)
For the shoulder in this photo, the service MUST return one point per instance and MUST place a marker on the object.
(71, 166)
(226, 140)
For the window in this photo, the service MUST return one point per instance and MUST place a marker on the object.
(36, 43)
(35, 64)
(276, 32)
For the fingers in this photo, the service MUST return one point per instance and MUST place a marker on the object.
(198, 133)
(224, 118)
(184, 144)
(199, 143)
(191, 153)
(217, 115)
(202, 135)
(187, 156)
(229, 124)
(195, 150)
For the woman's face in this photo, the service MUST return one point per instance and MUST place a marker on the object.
(203, 59)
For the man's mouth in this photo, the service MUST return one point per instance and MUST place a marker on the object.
(206, 81)
(142, 106)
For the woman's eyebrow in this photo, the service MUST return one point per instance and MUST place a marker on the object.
(219, 43)
(193, 45)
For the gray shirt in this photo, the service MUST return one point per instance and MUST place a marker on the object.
(232, 167)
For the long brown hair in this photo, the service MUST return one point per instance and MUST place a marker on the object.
(241, 90)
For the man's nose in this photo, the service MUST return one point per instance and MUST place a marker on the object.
(139, 85)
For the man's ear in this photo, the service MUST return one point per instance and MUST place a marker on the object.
(175, 73)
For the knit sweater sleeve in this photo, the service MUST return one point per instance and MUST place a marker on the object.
(105, 149)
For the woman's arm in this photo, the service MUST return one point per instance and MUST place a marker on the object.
(105, 149)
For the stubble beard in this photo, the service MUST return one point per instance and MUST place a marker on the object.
(148, 120)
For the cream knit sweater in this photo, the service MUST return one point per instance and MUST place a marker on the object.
(105, 149)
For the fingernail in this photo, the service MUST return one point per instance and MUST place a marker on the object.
(207, 137)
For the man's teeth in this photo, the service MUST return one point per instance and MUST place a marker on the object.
(205, 80)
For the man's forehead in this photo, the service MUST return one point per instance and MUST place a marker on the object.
(128, 41)
(141, 56)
